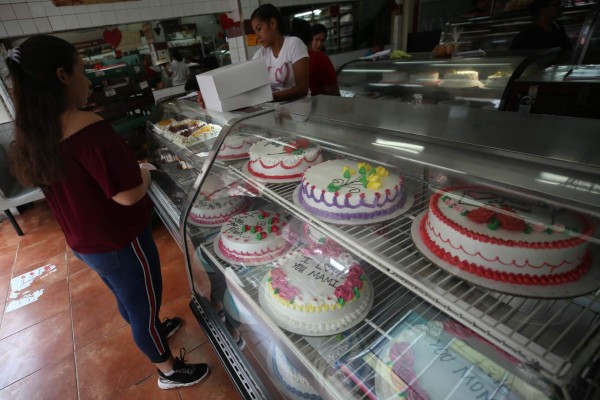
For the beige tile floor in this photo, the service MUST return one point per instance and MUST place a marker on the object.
(61, 337)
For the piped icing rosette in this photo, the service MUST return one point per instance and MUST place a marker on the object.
(214, 205)
(508, 240)
(349, 191)
(236, 146)
(282, 158)
(318, 297)
(253, 238)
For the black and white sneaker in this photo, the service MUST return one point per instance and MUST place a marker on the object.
(241, 343)
(169, 326)
(184, 374)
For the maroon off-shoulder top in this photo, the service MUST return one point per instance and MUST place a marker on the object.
(97, 165)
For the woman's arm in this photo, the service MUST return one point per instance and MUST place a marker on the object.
(132, 196)
(301, 88)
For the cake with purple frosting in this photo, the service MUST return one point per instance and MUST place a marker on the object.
(350, 191)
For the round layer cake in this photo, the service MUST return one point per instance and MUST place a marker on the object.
(425, 78)
(236, 147)
(253, 238)
(504, 239)
(461, 79)
(498, 80)
(345, 190)
(317, 298)
(282, 159)
(290, 378)
(214, 205)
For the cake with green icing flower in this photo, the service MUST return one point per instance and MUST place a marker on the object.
(485, 233)
(313, 297)
(346, 190)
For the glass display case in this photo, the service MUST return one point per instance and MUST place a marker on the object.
(349, 248)
(472, 82)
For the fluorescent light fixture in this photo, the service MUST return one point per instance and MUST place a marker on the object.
(317, 12)
(410, 148)
(304, 14)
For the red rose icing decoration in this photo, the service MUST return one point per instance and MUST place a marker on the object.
(296, 145)
(510, 222)
(354, 283)
(344, 292)
(481, 215)
(355, 272)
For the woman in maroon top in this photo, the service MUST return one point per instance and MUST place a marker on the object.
(96, 191)
(322, 77)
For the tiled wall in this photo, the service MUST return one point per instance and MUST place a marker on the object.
(21, 17)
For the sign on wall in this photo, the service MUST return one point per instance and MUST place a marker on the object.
(59, 3)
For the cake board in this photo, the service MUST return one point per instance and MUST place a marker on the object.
(245, 264)
(266, 180)
(588, 283)
(408, 203)
(248, 206)
(274, 315)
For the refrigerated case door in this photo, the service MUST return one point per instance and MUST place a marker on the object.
(515, 345)
(423, 79)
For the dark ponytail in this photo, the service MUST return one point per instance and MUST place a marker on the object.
(40, 99)
(268, 11)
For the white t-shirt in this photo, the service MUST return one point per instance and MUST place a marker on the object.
(180, 72)
(281, 70)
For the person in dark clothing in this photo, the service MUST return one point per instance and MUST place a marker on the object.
(319, 36)
(545, 31)
(322, 77)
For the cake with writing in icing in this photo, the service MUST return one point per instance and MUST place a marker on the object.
(236, 147)
(317, 298)
(253, 238)
(461, 79)
(428, 362)
(282, 159)
(214, 205)
(345, 190)
(289, 379)
(509, 240)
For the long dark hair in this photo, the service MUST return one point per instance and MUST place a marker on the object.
(40, 99)
(301, 29)
(268, 11)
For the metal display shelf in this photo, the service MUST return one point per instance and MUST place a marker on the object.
(558, 337)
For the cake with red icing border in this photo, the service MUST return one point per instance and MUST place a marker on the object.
(215, 205)
(255, 237)
(282, 159)
(236, 147)
(345, 190)
(506, 240)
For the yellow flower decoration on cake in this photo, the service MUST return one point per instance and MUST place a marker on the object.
(374, 181)
(381, 171)
(366, 166)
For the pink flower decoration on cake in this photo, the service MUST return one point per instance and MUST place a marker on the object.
(459, 208)
(279, 282)
(399, 350)
(288, 292)
(344, 292)
(278, 273)
(538, 227)
(354, 283)
(449, 202)
(355, 271)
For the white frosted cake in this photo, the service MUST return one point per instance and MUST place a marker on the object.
(294, 384)
(507, 240)
(236, 147)
(214, 205)
(394, 77)
(461, 79)
(281, 159)
(253, 238)
(425, 78)
(345, 190)
(498, 80)
(317, 298)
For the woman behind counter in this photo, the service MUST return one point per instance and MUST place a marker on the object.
(545, 31)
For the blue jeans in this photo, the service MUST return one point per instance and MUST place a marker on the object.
(133, 275)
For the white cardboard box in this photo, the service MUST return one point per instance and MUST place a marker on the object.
(235, 86)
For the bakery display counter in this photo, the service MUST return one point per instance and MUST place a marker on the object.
(472, 82)
(181, 137)
(350, 248)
